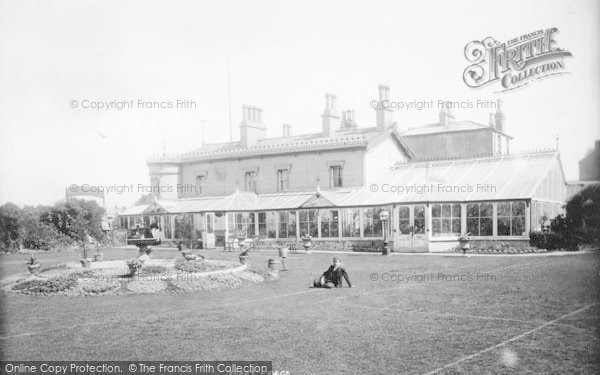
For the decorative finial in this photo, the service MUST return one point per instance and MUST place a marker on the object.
(557, 142)
(318, 179)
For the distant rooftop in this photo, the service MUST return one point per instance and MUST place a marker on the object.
(452, 126)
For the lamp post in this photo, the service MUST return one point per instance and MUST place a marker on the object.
(384, 216)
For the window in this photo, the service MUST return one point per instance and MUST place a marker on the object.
(419, 220)
(480, 217)
(168, 226)
(511, 218)
(250, 182)
(445, 219)
(287, 224)
(350, 222)
(308, 220)
(404, 219)
(245, 224)
(283, 179)
(335, 176)
(267, 224)
(329, 223)
(372, 225)
(199, 182)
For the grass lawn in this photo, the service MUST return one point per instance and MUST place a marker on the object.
(408, 314)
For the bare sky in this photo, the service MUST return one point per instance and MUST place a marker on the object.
(283, 57)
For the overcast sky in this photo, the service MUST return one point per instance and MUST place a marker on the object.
(283, 57)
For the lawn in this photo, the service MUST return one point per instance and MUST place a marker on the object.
(408, 314)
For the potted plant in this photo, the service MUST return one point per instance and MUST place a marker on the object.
(244, 256)
(464, 242)
(134, 265)
(33, 265)
(244, 259)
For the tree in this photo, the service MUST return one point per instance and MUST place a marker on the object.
(10, 227)
(184, 228)
(583, 214)
(74, 216)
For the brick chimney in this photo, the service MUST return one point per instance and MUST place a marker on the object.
(287, 130)
(348, 121)
(252, 128)
(330, 116)
(384, 113)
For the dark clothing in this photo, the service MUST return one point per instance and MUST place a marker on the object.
(335, 276)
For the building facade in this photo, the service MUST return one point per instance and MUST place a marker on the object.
(437, 182)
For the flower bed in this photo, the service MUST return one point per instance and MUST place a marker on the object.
(113, 278)
(502, 250)
(203, 266)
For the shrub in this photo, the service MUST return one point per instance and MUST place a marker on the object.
(552, 240)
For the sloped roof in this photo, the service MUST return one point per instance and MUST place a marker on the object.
(477, 179)
(452, 126)
(357, 137)
(135, 210)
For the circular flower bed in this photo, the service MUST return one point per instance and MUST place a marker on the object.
(502, 250)
(114, 277)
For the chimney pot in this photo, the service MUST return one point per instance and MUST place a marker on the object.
(384, 114)
(251, 129)
(287, 130)
(330, 115)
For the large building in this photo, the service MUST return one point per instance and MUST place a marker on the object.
(436, 181)
(589, 171)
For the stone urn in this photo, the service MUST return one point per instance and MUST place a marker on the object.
(307, 243)
(32, 265)
(34, 268)
(98, 257)
(189, 256)
(463, 242)
(85, 263)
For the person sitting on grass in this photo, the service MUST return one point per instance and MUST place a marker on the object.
(332, 278)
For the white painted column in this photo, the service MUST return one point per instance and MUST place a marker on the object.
(463, 218)
(298, 225)
(527, 217)
(495, 219)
